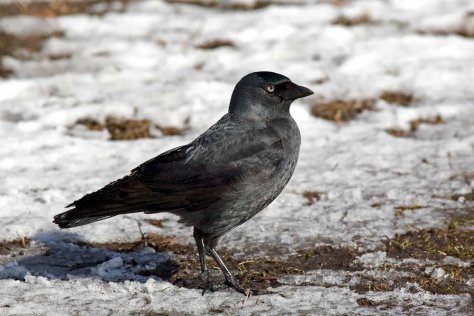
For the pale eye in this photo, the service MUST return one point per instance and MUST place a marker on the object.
(270, 88)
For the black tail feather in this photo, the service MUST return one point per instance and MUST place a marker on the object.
(71, 219)
(123, 196)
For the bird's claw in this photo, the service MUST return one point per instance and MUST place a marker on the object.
(208, 285)
(232, 282)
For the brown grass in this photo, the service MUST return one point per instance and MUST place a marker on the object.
(432, 244)
(52, 8)
(398, 132)
(431, 121)
(254, 5)
(171, 130)
(22, 47)
(128, 129)
(364, 301)
(9, 246)
(352, 20)
(341, 110)
(414, 125)
(397, 97)
(255, 273)
(216, 43)
(400, 210)
(465, 29)
(311, 197)
(158, 242)
(367, 284)
(466, 197)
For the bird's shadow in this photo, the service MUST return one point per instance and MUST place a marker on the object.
(63, 256)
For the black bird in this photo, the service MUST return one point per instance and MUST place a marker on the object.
(218, 181)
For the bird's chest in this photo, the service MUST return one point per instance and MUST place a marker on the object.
(269, 184)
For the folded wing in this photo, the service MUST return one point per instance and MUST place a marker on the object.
(188, 178)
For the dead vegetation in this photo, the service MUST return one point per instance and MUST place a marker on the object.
(400, 210)
(311, 197)
(465, 197)
(156, 241)
(453, 282)
(11, 246)
(242, 6)
(464, 29)
(341, 110)
(414, 125)
(364, 301)
(21, 47)
(360, 19)
(461, 222)
(397, 97)
(216, 43)
(369, 284)
(128, 129)
(432, 244)
(434, 276)
(257, 273)
(53, 8)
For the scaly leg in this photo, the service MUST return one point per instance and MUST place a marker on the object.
(230, 280)
(198, 237)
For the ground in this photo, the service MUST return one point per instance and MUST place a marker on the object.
(377, 219)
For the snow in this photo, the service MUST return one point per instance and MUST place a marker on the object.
(144, 63)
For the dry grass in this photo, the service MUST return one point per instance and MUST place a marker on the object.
(311, 197)
(255, 273)
(400, 210)
(397, 97)
(466, 197)
(52, 8)
(171, 130)
(10, 246)
(432, 244)
(465, 29)
(369, 284)
(21, 47)
(352, 20)
(431, 121)
(128, 129)
(216, 43)
(397, 132)
(414, 125)
(341, 110)
(243, 6)
(364, 301)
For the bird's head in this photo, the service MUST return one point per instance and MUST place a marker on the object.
(265, 95)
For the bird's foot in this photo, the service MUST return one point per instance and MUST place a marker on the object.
(232, 282)
(208, 285)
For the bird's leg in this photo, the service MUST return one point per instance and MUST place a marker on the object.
(230, 280)
(199, 238)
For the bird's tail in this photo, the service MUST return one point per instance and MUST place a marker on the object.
(119, 197)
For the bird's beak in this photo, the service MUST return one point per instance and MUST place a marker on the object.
(294, 91)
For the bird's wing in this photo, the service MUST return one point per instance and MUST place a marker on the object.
(194, 176)
(187, 178)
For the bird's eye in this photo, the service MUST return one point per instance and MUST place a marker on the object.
(270, 88)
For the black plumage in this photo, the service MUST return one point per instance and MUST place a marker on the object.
(218, 181)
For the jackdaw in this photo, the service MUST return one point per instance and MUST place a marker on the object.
(218, 181)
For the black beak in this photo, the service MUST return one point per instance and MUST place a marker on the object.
(294, 91)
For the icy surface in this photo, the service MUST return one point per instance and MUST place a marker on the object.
(145, 63)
